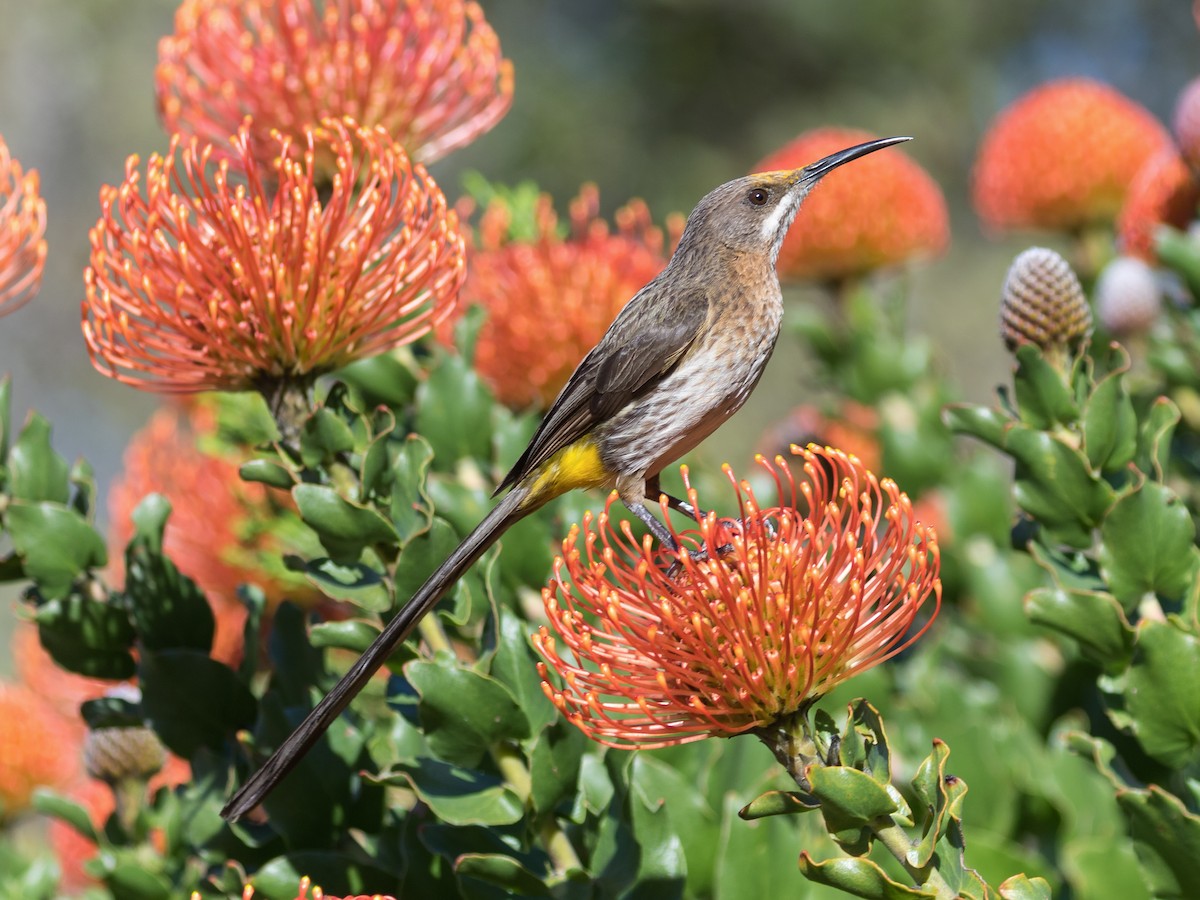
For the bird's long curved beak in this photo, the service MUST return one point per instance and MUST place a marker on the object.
(822, 167)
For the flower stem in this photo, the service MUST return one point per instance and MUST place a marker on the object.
(898, 843)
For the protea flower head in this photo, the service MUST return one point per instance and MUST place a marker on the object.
(22, 233)
(309, 891)
(1043, 303)
(1164, 192)
(429, 72)
(652, 648)
(1062, 156)
(882, 211)
(550, 299)
(39, 750)
(202, 281)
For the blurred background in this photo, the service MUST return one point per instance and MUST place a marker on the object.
(661, 99)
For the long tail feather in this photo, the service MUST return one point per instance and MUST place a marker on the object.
(506, 512)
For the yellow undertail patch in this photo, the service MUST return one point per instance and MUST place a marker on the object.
(577, 465)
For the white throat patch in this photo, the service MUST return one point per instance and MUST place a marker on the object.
(785, 206)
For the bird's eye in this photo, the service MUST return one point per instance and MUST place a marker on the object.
(757, 196)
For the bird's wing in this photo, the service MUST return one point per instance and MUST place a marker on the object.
(634, 355)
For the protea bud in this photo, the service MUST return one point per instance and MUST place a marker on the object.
(115, 754)
(1128, 297)
(125, 759)
(1043, 304)
(1186, 123)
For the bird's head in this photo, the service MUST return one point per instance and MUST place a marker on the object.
(752, 214)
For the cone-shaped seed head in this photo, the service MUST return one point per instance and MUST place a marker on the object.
(1043, 302)
(116, 754)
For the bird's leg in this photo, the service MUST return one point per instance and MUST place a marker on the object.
(682, 506)
(653, 489)
(657, 528)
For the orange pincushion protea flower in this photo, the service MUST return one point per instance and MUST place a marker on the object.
(200, 283)
(1062, 157)
(218, 533)
(22, 233)
(882, 211)
(786, 605)
(306, 885)
(40, 747)
(429, 72)
(1165, 192)
(550, 300)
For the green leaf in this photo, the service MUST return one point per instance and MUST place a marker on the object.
(421, 556)
(1055, 486)
(933, 791)
(268, 472)
(502, 871)
(778, 803)
(460, 796)
(344, 528)
(1162, 692)
(55, 544)
(1148, 545)
(1092, 618)
(244, 418)
(83, 481)
(662, 861)
(167, 608)
(865, 735)
(453, 413)
(1167, 840)
(463, 712)
(374, 470)
(131, 880)
(1021, 887)
(382, 379)
(554, 765)
(1110, 425)
(87, 637)
(690, 823)
(849, 799)
(411, 510)
(754, 859)
(355, 583)
(348, 634)
(255, 601)
(983, 422)
(35, 472)
(192, 701)
(1043, 396)
(1179, 251)
(1154, 441)
(323, 436)
(74, 814)
(859, 877)
(511, 662)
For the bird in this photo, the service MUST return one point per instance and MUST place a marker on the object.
(681, 357)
